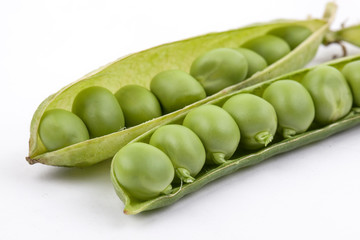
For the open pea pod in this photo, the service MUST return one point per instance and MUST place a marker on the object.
(139, 68)
(239, 160)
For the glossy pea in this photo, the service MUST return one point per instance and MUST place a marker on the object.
(255, 62)
(176, 89)
(255, 117)
(183, 147)
(293, 35)
(138, 104)
(60, 128)
(270, 47)
(330, 93)
(351, 71)
(217, 130)
(99, 110)
(219, 68)
(143, 170)
(293, 105)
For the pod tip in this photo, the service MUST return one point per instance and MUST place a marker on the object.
(31, 161)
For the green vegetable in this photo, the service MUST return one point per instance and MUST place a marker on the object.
(99, 110)
(351, 71)
(217, 130)
(176, 89)
(255, 62)
(293, 35)
(183, 147)
(270, 47)
(330, 93)
(60, 128)
(255, 117)
(139, 68)
(293, 105)
(219, 68)
(143, 170)
(240, 158)
(138, 104)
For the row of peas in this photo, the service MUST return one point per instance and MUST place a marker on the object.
(211, 134)
(97, 112)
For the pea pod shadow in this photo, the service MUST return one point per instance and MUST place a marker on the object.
(98, 172)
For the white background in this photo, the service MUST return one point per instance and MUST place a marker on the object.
(309, 193)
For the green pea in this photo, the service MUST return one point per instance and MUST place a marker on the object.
(330, 93)
(219, 68)
(270, 47)
(183, 147)
(255, 117)
(351, 71)
(60, 128)
(255, 62)
(293, 105)
(293, 35)
(143, 170)
(138, 104)
(217, 130)
(99, 110)
(176, 89)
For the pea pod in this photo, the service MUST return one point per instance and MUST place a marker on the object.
(140, 67)
(212, 172)
(349, 34)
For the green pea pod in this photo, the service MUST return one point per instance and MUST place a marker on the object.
(349, 34)
(139, 68)
(240, 160)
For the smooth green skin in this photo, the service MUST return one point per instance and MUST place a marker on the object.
(217, 130)
(255, 117)
(270, 47)
(330, 93)
(293, 105)
(183, 147)
(351, 71)
(99, 110)
(176, 89)
(138, 104)
(255, 62)
(219, 68)
(293, 35)
(60, 128)
(144, 170)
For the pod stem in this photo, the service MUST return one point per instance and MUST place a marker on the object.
(330, 11)
(288, 133)
(167, 190)
(184, 175)
(264, 138)
(218, 158)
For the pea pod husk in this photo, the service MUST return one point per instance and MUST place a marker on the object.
(140, 67)
(240, 160)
